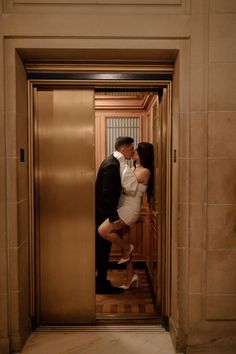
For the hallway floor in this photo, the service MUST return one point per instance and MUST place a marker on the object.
(100, 340)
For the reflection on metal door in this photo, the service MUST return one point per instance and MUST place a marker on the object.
(64, 205)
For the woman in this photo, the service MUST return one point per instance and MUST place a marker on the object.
(135, 183)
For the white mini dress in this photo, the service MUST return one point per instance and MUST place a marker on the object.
(130, 204)
(131, 198)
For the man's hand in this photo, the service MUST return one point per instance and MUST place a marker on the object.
(118, 225)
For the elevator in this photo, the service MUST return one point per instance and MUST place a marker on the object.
(63, 161)
(64, 178)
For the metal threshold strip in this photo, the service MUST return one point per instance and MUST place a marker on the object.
(102, 328)
(128, 319)
(109, 322)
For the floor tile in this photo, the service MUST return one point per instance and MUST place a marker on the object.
(100, 341)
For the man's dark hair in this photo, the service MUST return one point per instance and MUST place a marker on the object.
(123, 140)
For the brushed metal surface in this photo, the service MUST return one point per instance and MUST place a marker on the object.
(65, 197)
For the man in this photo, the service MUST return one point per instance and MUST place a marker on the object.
(107, 194)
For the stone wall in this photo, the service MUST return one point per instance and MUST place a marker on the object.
(203, 312)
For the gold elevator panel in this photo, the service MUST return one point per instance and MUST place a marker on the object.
(64, 205)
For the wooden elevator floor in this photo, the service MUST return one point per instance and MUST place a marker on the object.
(135, 302)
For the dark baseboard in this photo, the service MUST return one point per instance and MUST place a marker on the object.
(165, 322)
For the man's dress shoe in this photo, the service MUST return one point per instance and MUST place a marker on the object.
(107, 288)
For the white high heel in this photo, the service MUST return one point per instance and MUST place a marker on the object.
(125, 260)
(133, 282)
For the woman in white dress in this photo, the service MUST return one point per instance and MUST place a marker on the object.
(135, 183)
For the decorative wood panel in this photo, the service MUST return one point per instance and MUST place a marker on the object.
(100, 2)
(121, 126)
(100, 130)
(139, 233)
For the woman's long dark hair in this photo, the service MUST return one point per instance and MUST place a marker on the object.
(146, 155)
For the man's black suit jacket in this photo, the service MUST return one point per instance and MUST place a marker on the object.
(107, 190)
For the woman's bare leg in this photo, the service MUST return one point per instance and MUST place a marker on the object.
(107, 231)
(125, 235)
(129, 265)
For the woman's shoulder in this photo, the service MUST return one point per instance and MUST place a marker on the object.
(142, 174)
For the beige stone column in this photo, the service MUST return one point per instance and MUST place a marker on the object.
(4, 340)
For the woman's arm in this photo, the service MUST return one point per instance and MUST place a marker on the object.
(128, 179)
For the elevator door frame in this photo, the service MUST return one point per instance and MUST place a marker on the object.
(141, 85)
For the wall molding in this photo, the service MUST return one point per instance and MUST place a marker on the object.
(73, 6)
(97, 2)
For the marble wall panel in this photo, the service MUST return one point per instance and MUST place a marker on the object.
(12, 225)
(221, 307)
(95, 25)
(197, 181)
(198, 97)
(221, 181)
(21, 88)
(199, 7)
(196, 267)
(2, 179)
(221, 272)
(11, 136)
(195, 313)
(183, 225)
(3, 270)
(2, 224)
(221, 134)
(197, 139)
(222, 42)
(196, 227)
(182, 270)
(183, 180)
(199, 36)
(13, 315)
(222, 6)
(221, 226)
(22, 221)
(222, 86)
(183, 135)
(4, 315)
(2, 132)
(11, 180)
(14, 268)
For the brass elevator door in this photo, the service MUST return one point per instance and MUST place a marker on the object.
(64, 205)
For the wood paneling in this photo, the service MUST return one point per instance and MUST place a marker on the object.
(139, 234)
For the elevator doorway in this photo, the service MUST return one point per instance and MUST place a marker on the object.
(137, 114)
(69, 299)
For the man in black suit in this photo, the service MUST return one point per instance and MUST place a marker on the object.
(107, 193)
